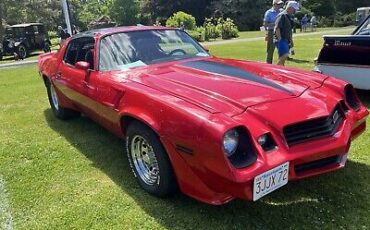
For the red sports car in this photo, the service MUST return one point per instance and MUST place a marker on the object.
(217, 129)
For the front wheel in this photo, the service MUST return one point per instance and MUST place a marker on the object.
(149, 161)
(22, 51)
(46, 46)
(58, 110)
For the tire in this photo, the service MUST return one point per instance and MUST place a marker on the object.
(149, 161)
(1, 57)
(59, 112)
(46, 47)
(22, 51)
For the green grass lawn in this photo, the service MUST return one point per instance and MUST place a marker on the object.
(74, 175)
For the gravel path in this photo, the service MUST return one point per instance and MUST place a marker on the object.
(263, 38)
(17, 63)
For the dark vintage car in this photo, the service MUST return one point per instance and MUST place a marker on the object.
(215, 128)
(348, 57)
(23, 39)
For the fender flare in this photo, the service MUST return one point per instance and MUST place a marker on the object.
(129, 115)
(16, 44)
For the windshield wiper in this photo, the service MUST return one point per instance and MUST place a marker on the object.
(172, 58)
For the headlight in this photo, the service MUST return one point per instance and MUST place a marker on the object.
(238, 147)
(230, 142)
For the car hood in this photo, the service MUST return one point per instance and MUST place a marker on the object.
(225, 85)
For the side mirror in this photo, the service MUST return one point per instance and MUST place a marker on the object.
(206, 48)
(82, 65)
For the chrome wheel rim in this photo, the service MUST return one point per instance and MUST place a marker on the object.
(54, 97)
(22, 52)
(144, 160)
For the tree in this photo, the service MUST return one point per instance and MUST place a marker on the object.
(181, 17)
(348, 7)
(21, 11)
(1, 21)
(86, 11)
(160, 10)
(124, 12)
(323, 8)
(247, 14)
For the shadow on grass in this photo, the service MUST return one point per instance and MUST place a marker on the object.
(298, 61)
(364, 96)
(334, 200)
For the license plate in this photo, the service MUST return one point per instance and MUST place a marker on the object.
(271, 180)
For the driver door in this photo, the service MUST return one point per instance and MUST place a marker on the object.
(73, 81)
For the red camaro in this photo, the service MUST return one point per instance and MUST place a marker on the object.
(217, 129)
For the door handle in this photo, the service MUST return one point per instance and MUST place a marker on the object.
(87, 86)
(58, 75)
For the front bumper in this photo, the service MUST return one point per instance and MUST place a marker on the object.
(305, 160)
(209, 184)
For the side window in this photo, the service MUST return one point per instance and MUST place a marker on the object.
(41, 29)
(29, 30)
(71, 53)
(81, 49)
(19, 32)
(86, 52)
(35, 29)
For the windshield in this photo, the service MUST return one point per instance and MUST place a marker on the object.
(14, 32)
(140, 48)
(365, 28)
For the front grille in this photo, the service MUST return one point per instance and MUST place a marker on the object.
(317, 164)
(314, 129)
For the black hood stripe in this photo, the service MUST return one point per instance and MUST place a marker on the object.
(228, 70)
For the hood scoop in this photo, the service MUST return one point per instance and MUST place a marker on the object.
(232, 71)
(220, 86)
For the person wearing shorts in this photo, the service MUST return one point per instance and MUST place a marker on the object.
(283, 31)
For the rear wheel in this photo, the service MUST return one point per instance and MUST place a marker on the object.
(149, 161)
(58, 110)
(22, 51)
